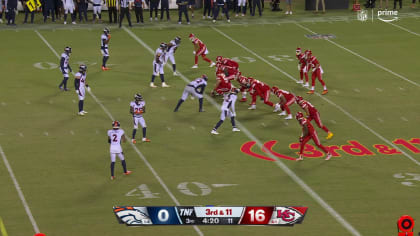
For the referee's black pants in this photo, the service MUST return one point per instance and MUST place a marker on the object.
(125, 11)
(112, 11)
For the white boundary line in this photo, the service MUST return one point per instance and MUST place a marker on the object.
(324, 98)
(159, 179)
(19, 190)
(283, 166)
(405, 29)
(364, 58)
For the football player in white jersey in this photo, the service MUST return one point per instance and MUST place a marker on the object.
(172, 46)
(65, 68)
(69, 8)
(115, 137)
(194, 88)
(158, 63)
(97, 7)
(137, 109)
(228, 109)
(81, 86)
(105, 37)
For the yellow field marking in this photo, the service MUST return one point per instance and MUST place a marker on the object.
(2, 228)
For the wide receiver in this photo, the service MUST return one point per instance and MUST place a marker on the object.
(302, 67)
(200, 49)
(105, 37)
(312, 113)
(137, 109)
(308, 133)
(316, 73)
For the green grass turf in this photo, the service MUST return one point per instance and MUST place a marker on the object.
(65, 174)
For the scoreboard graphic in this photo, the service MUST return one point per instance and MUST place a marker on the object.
(210, 215)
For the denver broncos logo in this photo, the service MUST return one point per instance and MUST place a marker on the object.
(132, 215)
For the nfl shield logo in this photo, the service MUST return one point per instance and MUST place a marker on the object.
(362, 15)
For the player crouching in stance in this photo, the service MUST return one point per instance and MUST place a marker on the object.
(81, 86)
(158, 64)
(312, 113)
(228, 110)
(308, 132)
(65, 68)
(115, 136)
(286, 99)
(200, 49)
(105, 37)
(137, 108)
(258, 88)
(194, 88)
(316, 73)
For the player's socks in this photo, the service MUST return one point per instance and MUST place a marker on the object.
(153, 78)
(65, 82)
(206, 59)
(178, 105)
(218, 125)
(232, 120)
(65, 17)
(104, 60)
(144, 132)
(124, 165)
(174, 67)
(100, 17)
(196, 60)
(80, 105)
(162, 78)
(134, 133)
(112, 168)
(200, 104)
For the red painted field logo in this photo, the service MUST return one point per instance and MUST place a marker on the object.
(353, 148)
(405, 226)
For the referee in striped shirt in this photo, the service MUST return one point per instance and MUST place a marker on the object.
(112, 10)
(125, 10)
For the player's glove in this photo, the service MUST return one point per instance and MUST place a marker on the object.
(109, 36)
(88, 89)
(77, 91)
(194, 52)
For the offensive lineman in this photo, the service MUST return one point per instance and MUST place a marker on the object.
(171, 48)
(65, 68)
(137, 108)
(80, 84)
(115, 137)
(69, 8)
(105, 37)
(228, 109)
(194, 88)
(158, 64)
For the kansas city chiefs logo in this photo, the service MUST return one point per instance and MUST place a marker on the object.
(288, 215)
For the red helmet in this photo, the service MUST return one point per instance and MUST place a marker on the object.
(219, 59)
(274, 89)
(299, 115)
(299, 99)
(298, 50)
(308, 53)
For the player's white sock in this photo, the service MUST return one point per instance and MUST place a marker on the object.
(325, 87)
(313, 88)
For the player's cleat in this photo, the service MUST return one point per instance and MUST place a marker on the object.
(300, 158)
(228, 20)
(66, 89)
(212, 64)
(194, 66)
(81, 114)
(310, 92)
(84, 112)
(133, 141)
(65, 22)
(324, 92)
(252, 107)
(289, 117)
(164, 85)
(145, 140)
(74, 22)
(176, 73)
(214, 21)
(306, 85)
(276, 107)
(243, 100)
(61, 88)
(300, 82)
(328, 156)
(236, 130)
(330, 135)
(105, 68)
(112, 177)
(283, 113)
(128, 172)
(214, 132)
(152, 85)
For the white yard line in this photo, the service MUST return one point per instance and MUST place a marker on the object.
(324, 98)
(19, 190)
(159, 179)
(283, 166)
(362, 57)
(405, 29)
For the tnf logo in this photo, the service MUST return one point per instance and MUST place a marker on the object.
(286, 215)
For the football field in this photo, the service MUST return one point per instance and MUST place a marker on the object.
(54, 172)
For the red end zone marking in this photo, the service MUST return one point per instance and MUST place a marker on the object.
(246, 148)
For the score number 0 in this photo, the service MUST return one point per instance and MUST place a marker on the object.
(163, 215)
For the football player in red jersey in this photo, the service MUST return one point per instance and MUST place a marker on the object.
(308, 133)
(258, 88)
(286, 99)
(316, 73)
(243, 82)
(313, 114)
(224, 62)
(303, 69)
(200, 49)
(223, 85)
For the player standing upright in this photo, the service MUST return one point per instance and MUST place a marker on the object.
(105, 37)
(194, 88)
(286, 99)
(200, 49)
(137, 109)
(65, 68)
(158, 64)
(308, 133)
(81, 86)
(69, 8)
(316, 73)
(228, 110)
(312, 113)
(115, 137)
(97, 8)
(258, 88)
(302, 67)
(171, 48)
